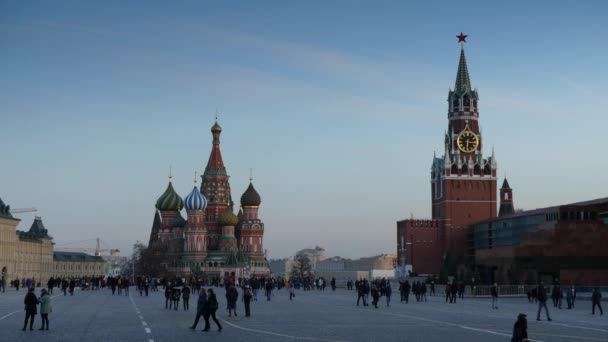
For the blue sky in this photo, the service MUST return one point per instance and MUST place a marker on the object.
(337, 106)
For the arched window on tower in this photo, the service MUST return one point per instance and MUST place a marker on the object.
(454, 170)
(466, 101)
(487, 170)
(477, 170)
(455, 103)
(506, 196)
(465, 170)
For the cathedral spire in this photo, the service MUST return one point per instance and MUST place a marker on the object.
(215, 165)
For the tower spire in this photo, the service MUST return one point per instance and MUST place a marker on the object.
(463, 82)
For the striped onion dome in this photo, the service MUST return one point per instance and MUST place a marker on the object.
(228, 218)
(169, 200)
(195, 200)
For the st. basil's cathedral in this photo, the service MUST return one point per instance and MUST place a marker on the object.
(211, 239)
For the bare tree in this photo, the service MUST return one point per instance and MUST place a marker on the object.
(302, 267)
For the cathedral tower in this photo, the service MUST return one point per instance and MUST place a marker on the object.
(195, 233)
(463, 182)
(169, 204)
(251, 229)
(216, 188)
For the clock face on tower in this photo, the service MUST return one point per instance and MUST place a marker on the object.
(467, 141)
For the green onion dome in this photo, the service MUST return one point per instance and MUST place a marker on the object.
(228, 218)
(250, 197)
(170, 200)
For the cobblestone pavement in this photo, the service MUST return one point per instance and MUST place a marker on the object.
(312, 316)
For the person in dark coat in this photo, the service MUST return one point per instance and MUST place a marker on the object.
(520, 329)
(375, 296)
(211, 308)
(167, 297)
(31, 303)
(542, 301)
(176, 294)
(248, 295)
(494, 293)
(201, 306)
(388, 292)
(596, 299)
(232, 295)
(186, 297)
(406, 290)
(361, 293)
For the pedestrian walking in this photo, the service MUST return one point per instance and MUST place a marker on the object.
(247, 296)
(292, 290)
(388, 292)
(175, 296)
(375, 296)
(361, 293)
(186, 297)
(31, 305)
(520, 329)
(494, 293)
(570, 295)
(211, 308)
(232, 296)
(167, 297)
(542, 301)
(45, 308)
(596, 299)
(201, 306)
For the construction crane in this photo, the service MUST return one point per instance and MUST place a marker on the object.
(97, 250)
(22, 210)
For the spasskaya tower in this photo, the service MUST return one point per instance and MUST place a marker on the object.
(463, 180)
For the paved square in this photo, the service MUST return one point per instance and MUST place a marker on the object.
(312, 316)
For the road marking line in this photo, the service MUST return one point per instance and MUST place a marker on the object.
(144, 323)
(10, 314)
(148, 330)
(277, 334)
(150, 340)
(579, 327)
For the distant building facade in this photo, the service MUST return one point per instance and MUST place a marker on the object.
(565, 242)
(30, 255)
(24, 255)
(77, 265)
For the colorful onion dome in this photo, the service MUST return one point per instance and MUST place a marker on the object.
(216, 128)
(178, 221)
(250, 197)
(195, 200)
(169, 200)
(228, 218)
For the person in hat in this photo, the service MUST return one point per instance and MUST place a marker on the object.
(45, 308)
(520, 329)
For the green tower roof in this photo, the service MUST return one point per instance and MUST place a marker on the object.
(463, 82)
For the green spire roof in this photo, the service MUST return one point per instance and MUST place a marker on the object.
(505, 184)
(170, 200)
(463, 82)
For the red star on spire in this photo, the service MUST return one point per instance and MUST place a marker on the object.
(462, 38)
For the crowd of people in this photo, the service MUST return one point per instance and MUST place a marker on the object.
(246, 291)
